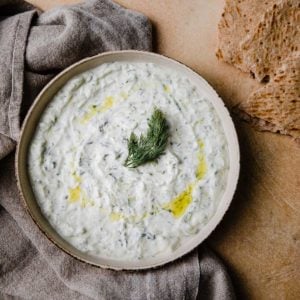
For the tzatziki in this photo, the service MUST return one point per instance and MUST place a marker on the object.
(77, 156)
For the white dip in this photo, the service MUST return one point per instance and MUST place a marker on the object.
(76, 162)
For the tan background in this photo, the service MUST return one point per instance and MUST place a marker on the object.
(259, 238)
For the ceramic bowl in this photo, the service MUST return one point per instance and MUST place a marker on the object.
(47, 95)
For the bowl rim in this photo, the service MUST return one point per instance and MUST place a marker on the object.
(224, 202)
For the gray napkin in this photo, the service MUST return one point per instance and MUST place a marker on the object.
(33, 48)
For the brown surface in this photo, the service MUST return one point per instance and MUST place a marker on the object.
(259, 238)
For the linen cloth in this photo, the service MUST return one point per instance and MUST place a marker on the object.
(34, 47)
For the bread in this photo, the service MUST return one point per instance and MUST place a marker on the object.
(263, 38)
(274, 39)
(257, 36)
(238, 21)
(276, 106)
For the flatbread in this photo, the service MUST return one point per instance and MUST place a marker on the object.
(239, 19)
(257, 36)
(276, 106)
(275, 39)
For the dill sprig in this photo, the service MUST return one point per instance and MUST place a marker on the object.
(150, 147)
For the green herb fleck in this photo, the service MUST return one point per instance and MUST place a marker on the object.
(150, 147)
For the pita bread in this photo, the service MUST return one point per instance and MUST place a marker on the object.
(257, 36)
(275, 39)
(238, 21)
(276, 106)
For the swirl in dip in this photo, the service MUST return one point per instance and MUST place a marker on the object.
(77, 155)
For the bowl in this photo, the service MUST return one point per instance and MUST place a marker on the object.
(33, 117)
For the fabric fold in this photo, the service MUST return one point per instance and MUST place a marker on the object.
(13, 35)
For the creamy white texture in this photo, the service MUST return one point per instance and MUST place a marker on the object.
(76, 162)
